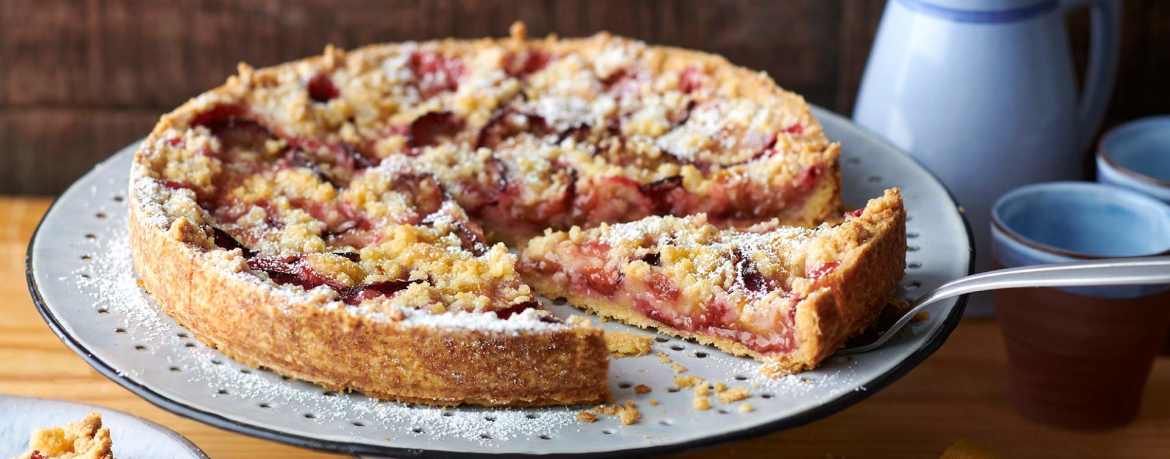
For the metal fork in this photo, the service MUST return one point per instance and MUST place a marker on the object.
(1109, 271)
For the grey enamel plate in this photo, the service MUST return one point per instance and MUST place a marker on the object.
(133, 437)
(81, 278)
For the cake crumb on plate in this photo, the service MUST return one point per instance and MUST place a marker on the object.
(627, 413)
(734, 394)
(627, 344)
(683, 382)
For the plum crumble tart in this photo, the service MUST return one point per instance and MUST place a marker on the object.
(341, 219)
(84, 439)
(789, 296)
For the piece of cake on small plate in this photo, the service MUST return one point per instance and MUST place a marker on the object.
(84, 439)
(787, 296)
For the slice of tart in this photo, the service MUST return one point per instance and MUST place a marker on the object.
(84, 439)
(788, 296)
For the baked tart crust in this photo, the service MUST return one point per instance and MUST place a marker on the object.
(339, 219)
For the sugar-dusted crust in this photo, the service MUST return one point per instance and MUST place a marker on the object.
(305, 337)
(869, 255)
(326, 218)
(84, 439)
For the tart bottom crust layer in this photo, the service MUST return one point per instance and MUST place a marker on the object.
(341, 350)
(856, 292)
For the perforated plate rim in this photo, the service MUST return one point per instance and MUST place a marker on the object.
(835, 403)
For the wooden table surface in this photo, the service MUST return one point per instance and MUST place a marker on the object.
(959, 393)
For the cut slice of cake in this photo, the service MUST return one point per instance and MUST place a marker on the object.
(84, 439)
(788, 296)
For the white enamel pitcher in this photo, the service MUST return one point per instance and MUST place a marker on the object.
(983, 92)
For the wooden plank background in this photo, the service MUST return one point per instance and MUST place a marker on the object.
(81, 78)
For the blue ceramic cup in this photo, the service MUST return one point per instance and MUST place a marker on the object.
(1068, 221)
(1079, 357)
(1136, 155)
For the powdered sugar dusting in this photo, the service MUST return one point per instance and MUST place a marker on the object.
(527, 320)
(116, 287)
(772, 245)
(693, 137)
(396, 420)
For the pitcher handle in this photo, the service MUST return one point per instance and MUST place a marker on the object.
(1104, 46)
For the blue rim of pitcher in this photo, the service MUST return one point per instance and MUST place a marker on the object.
(1037, 9)
(1135, 124)
(1000, 226)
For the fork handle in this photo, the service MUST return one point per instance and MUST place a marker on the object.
(1108, 271)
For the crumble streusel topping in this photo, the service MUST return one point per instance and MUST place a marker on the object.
(84, 439)
(375, 173)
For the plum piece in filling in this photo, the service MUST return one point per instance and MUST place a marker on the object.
(771, 292)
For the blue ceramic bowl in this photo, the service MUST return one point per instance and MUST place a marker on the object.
(1068, 221)
(1136, 155)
